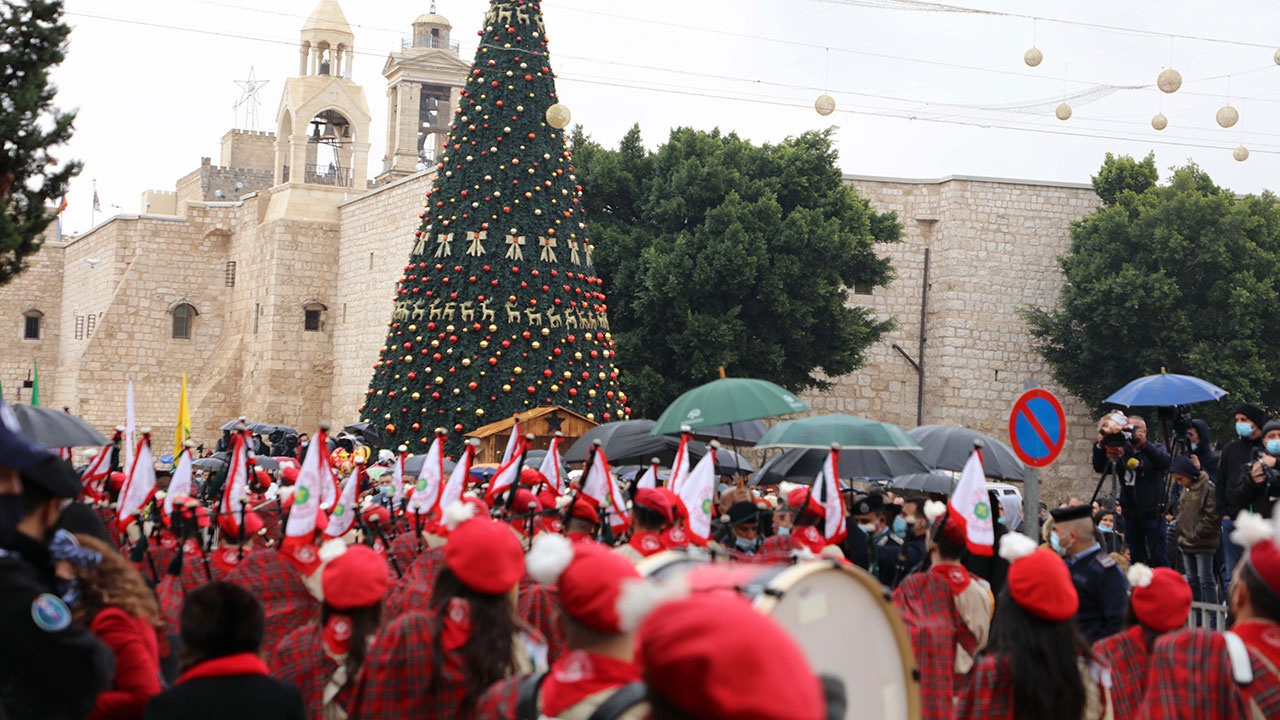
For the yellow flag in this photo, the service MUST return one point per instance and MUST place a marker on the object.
(183, 432)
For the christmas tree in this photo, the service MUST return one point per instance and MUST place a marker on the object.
(499, 309)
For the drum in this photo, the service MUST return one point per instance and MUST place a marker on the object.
(839, 615)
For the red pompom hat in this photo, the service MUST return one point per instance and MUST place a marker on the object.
(356, 578)
(802, 500)
(711, 655)
(230, 524)
(590, 579)
(532, 478)
(1261, 537)
(375, 514)
(657, 501)
(1161, 597)
(485, 555)
(584, 508)
(289, 474)
(1038, 579)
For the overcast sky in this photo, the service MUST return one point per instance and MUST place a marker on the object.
(921, 92)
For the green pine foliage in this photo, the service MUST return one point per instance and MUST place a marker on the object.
(499, 309)
(32, 41)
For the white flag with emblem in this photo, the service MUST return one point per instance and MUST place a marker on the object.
(827, 491)
(344, 512)
(314, 475)
(181, 482)
(971, 505)
(680, 467)
(426, 491)
(552, 466)
(650, 477)
(140, 485)
(698, 494)
(452, 492)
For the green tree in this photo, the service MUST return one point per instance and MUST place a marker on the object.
(717, 252)
(32, 41)
(1122, 173)
(1182, 276)
(499, 308)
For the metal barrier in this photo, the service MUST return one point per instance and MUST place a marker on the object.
(1207, 616)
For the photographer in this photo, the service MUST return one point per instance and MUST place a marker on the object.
(1139, 466)
(1257, 487)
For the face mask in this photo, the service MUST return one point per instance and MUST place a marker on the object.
(784, 531)
(1105, 529)
(1053, 540)
(1194, 446)
(10, 512)
(744, 544)
(899, 527)
(868, 528)
(1244, 429)
(1002, 521)
(1273, 447)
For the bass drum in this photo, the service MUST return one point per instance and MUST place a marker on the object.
(838, 614)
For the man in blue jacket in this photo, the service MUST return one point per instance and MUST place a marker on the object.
(1140, 466)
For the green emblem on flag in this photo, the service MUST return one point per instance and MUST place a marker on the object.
(339, 509)
(982, 510)
(706, 506)
(422, 485)
(301, 496)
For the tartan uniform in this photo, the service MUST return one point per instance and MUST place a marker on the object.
(1191, 677)
(539, 608)
(397, 674)
(407, 546)
(300, 658)
(170, 596)
(107, 514)
(1126, 654)
(928, 607)
(287, 603)
(988, 692)
(413, 591)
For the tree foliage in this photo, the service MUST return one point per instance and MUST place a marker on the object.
(1183, 276)
(1122, 173)
(717, 252)
(32, 41)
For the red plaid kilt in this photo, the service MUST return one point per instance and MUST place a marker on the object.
(499, 701)
(539, 607)
(1126, 654)
(413, 591)
(300, 658)
(1190, 678)
(988, 692)
(170, 595)
(928, 608)
(407, 546)
(285, 599)
(107, 514)
(397, 673)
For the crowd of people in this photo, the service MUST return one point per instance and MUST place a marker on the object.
(536, 603)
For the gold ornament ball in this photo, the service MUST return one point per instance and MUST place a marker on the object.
(824, 105)
(535, 344)
(493, 328)
(1227, 116)
(517, 370)
(1159, 122)
(466, 362)
(449, 328)
(1033, 57)
(416, 396)
(546, 332)
(555, 388)
(591, 417)
(506, 388)
(1240, 154)
(1063, 112)
(439, 380)
(558, 116)
(484, 344)
(591, 393)
(413, 328)
(479, 412)
(1169, 80)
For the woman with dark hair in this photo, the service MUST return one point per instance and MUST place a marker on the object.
(1037, 664)
(323, 659)
(1160, 603)
(116, 604)
(436, 664)
(223, 675)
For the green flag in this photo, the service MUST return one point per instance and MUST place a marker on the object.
(35, 384)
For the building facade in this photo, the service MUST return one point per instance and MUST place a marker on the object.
(268, 278)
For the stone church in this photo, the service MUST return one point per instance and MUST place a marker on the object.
(268, 276)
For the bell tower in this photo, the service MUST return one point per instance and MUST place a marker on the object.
(424, 81)
(323, 120)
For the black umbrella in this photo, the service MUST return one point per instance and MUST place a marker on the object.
(210, 463)
(256, 428)
(370, 433)
(413, 465)
(747, 432)
(929, 482)
(728, 462)
(799, 465)
(267, 463)
(625, 442)
(948, 447)
(55, 428)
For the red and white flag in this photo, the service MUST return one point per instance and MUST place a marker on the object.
(698, 494)
(345, 510)
(94, 478)
(971, 506)
(680, 467)
(827, 486)
(508, 474)
(513, 444)
(314, 475)
(452, 492)
(598, 483)
(180, 485)
(650, 477)
(140, 485)
(552, 466)
(397, 478)
(426, 490)
(237, 484)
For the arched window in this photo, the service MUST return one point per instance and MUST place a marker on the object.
(313, 316)
(184, 315)
(31, 322)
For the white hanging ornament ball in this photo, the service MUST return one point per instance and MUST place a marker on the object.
(1169, 80)
(1276, 57)
(1227, 116)
(558, 116)
(824, 105)
(1063, 112)
(1240, 154)
(1034, 57)
(1159, 122)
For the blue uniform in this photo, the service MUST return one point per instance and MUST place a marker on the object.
(1103, 592)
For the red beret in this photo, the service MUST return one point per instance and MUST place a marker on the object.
(525, 502)
(677, 504)
(115, 480)
(485, 555)
(191, 508)
(532, 478)
(357, 578)
(584, 508)
(230, 524)
(655, 500)
(1041, 584)
(1264, 557)
(547, 498)
(263, 477)
(802, 500)
(591, 585)
(711, 655)
(289, 474)
(1164, 603)
(376, 514)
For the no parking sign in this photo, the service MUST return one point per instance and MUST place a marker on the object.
(1037, 428)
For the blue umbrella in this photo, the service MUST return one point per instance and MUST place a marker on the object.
(1165, 390)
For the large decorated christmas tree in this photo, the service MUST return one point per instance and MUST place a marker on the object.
(499, 309)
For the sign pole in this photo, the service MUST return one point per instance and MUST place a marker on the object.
(1031, 503)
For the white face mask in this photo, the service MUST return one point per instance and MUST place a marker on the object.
(868, 528)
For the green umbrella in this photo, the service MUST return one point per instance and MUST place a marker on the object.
(853, 433)
(727, 400)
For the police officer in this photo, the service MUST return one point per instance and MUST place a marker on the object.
(876, 519)
(51, 668)
(1099, 582)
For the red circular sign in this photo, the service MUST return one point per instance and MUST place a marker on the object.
(1037, 428)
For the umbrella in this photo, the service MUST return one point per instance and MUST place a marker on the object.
(1165, 390)
(748, 431)
(930, 482)
(948, 447)
(259, 428)
(370, 433)
(534, 458)
(728, 462)
(727, 400)
(820, 431)
(210, 463)
(413, 465)
(484, 471)
(267, 462)
(625, 442)
(802, 466)
(55, 428)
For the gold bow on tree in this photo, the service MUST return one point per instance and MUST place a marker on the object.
(476, 242)
(514, 243)
(444, 241)
(548, 248)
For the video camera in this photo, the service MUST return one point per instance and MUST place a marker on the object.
(1119, 438)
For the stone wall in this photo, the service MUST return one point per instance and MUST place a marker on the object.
(36, 290)
(249, 149)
